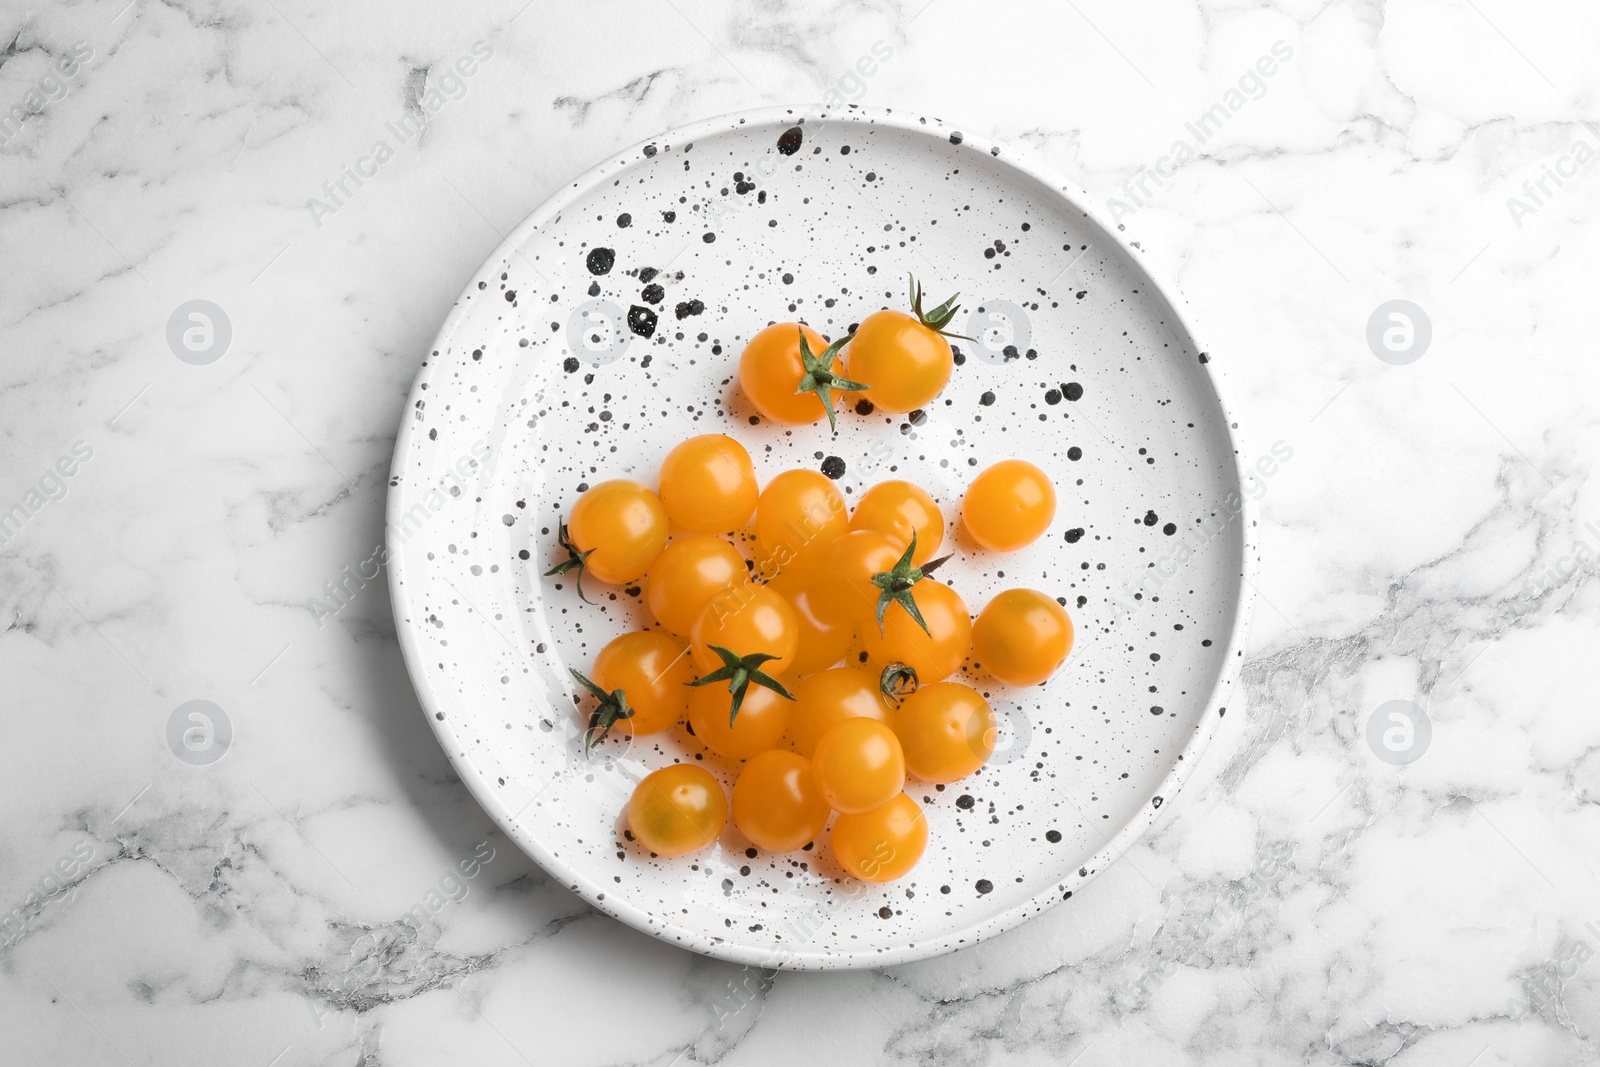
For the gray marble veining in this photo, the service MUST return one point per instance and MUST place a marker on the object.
(305, 898)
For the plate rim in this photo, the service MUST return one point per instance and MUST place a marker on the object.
(819, 959)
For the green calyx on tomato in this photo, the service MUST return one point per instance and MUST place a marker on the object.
(898, 582)
(613, 706)
(819, 377)
(937, 319)
(576, 561)
(740, 672)
(897, 682)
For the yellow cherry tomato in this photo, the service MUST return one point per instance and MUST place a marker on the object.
(1022, 636)
(847, 593)
(799, 515)
(935, 654)
(762, 719)
(622, 526)
(827, 698)
(770, 371)
(820, 642)
(882, 844)
(859, 765)
(1009, 505)
(748, 619)
(903, 358)
(708, 484)
(946, 731)
(677, 810)
(654, 672)
(900, 509)
(687, 575)
(776, 803)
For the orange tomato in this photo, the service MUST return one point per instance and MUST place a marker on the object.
(848, 594)
(708, 484)
(946, 730)
(653, 671)
(882, 844)
(622, 526)
(820, 643)
(904, 358)
(776, 803)
(901, 509)
(1022, 636)
(749, 619)
(1009, 505)
(763, 717)
(859, 765)
(827, 698)
(770, 370)
(798, 516)
(934, 654)
(688, 575)
(677, 810)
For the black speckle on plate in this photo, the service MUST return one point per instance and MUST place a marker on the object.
(642, 321)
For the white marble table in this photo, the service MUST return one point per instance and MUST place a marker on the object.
(302, 900)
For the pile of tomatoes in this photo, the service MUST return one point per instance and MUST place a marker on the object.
(752, 654)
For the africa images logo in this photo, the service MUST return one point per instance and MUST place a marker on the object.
(403, 128)
(1251, 85)
(52, 485)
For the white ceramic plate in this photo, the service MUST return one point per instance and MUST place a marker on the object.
(608, 327)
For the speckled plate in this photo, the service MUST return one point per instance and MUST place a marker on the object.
(608, 327)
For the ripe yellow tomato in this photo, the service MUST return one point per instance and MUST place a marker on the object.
(799, 515)
(859, 765)
(677, 810)
(749, 619)
(622, 526)
(848, 594)
(827, 698)
(1022, 636)
(882, 844)
(776, 803)
(654, 672)
(1009, 505)
(770, 371)
(946, 731)
(763, 717)
(901, 509)
(708, 484)
(820, 643)
(905, 362)
(935, 654)
(688, 575)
